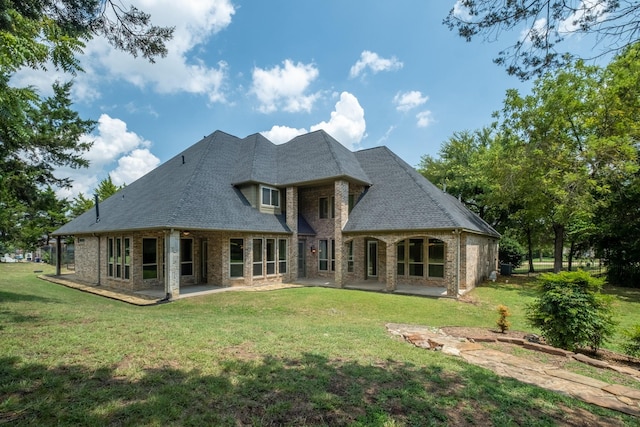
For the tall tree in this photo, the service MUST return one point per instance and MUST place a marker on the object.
(618, 223)
(38, 135)
(558, 145)
(106, 188)
(614, 24)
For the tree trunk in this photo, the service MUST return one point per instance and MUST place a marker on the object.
(530, 250)
(558, 246)
(571, 250)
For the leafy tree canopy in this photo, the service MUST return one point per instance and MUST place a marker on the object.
(37, 134)
(614, 24)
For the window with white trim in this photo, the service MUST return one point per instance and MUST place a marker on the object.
(236, 257)
(270, 248)
(326, 207)
(436, 258)
(323, 255)
(119, 257)
(186, 257)
(270, 197)
(326, 255)
(257, 258)
(414, 260)
(149, 258)
(283, 256)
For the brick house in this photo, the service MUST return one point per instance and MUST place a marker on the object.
(230, 211)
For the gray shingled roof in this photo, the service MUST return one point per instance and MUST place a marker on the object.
(198, 192)
(402, 199)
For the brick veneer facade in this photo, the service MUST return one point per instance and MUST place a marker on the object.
(468, 258)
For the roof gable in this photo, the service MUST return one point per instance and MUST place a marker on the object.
(402, 199)
(316, 156)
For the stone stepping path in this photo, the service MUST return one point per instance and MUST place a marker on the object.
(613, 396)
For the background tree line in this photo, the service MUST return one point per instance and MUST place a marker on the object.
(558, 165)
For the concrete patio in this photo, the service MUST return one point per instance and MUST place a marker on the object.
(367, 285)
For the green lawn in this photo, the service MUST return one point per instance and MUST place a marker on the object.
(301, 356)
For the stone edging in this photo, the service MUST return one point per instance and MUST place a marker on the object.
(559, 352)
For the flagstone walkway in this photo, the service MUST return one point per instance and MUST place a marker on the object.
(613, 396)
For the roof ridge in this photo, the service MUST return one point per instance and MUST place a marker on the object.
(325, 138)
(411, 171)
(188, 188)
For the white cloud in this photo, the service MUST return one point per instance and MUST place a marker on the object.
(409, 100)
(425, 118)
(133, 166)
(180, 71)
(461, 11)
(285, 87)
(347, 123)
(536, 31)
(373, 62)
(112, 143)
(588, 11)
(282, 134)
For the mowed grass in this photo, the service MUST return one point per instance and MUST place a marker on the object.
(300, 356)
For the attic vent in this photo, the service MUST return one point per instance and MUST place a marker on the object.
(183, 160)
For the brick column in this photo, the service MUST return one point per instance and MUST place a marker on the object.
(292, 223)
(391, 275)
(342, 215)
(172, 278)
(248, 260)
(453, 286)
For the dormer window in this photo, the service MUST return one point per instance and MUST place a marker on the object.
(270, 197)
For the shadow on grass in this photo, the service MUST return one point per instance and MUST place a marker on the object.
(624, 294)
(20, 297)
(525, 286)
(10, 316)
(312, 390)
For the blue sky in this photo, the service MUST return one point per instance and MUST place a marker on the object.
(370, 73)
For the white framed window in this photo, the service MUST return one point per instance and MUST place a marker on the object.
(270, 197)
(258, 269)
(416, 260)
(270, 249)
(236, 257)
(149, 258)
(186, 257)
(326, 207)
(283, 256)
(323, 255)
(350, 259)
(326, 255)
(119, 257)
(436, 258)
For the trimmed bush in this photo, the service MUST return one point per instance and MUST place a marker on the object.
(571, 312)
(632, 345)
(503, 323)
(510, 252)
